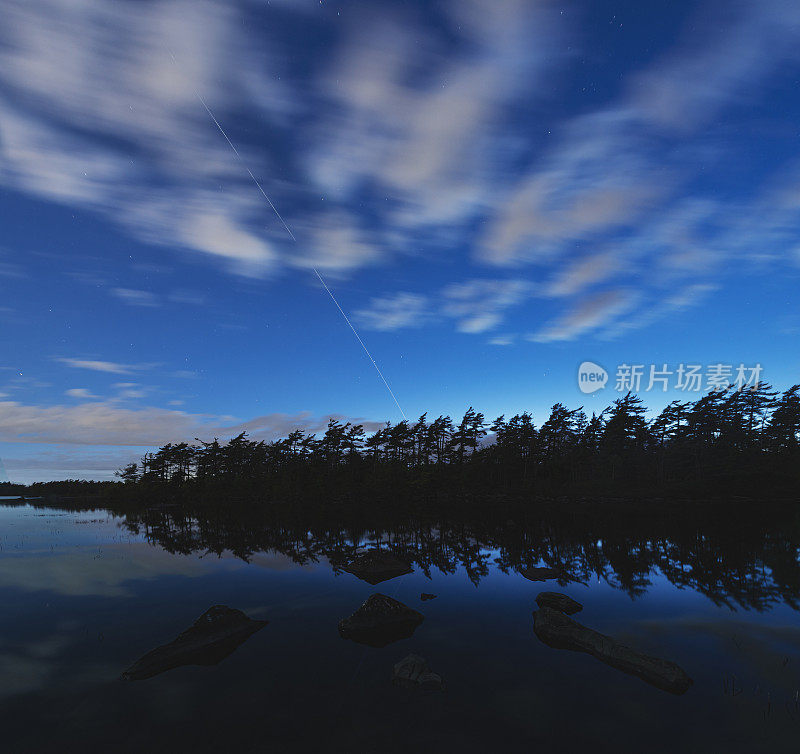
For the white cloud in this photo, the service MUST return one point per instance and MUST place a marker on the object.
(221, 235)
(395, 312)
(598, 179)
(79, 392)
(587, 315)
(100, 111)
(337, 245)
(134, 297)
(106, 423)
(415, 145)
(684, 298)
(583, 273)
(476, 305)
(110, 367)
(423, 122)
(715, 63)
(479, 305)
(133, 393)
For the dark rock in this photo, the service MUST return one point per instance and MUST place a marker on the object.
(557, 630)
(377, 565)
(412, 672)
(381, 620)
(536, 573)
(210, 639)
(559, 602)
(425, 596)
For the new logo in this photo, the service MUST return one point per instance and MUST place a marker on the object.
(591, 377)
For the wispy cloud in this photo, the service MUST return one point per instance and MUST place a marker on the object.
(73, 114)
(479, 305)
(684, 298)
(107, 423)
(389, 112)
(476, 306)
(502, 340)
(134, 297)
(111, 367)
(395, 312)
(81, 393)
(590, 314)
(402, 137)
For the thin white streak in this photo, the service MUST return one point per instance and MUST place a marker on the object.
(358, 337)
(292, 236)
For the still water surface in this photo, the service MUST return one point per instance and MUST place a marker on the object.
(85, 594)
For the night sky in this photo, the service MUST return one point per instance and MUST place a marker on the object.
(494, 192)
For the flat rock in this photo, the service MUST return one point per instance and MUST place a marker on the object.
(557, 630)
(381, 620)
(376, 566)
(412, 672)
(209, 640)
(558, 601)
(539, 573)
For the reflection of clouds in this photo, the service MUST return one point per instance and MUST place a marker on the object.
(768, 652)
(30, 666)
(83, 554)
(102, 572)
(22, 674)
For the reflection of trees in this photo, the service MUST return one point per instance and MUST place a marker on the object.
(752, 564)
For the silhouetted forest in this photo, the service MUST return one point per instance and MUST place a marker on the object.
(727, 441)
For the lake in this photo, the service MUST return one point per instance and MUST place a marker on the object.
(87, 593)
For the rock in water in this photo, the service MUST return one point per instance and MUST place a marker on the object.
(536, 573)
(376, 566)
(559, 602)
(381, 620)
(425, 596)
(210, 639)
(412, 672)
(557, 630)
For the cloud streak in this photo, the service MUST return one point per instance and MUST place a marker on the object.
(109, 367)
(401, 138)
(105, 423)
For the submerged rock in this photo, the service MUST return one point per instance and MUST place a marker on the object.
(425, 596)
(377, 565)
(538, 573)
(558, 601)
(557, 630)
(381, 620)
(210, 639)
(412, 672)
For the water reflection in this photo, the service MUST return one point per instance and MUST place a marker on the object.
(130, 584)
(751, 564)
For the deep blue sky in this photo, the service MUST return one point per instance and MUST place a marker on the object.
(494, 191)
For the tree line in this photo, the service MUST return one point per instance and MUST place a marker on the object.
(741, 439)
